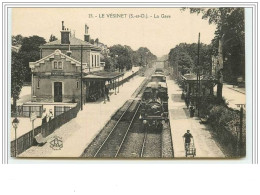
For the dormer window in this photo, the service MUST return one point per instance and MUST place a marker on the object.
(57, 65)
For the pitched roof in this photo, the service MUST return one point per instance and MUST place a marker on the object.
(56, 52)
(103, 75)
(73, 41)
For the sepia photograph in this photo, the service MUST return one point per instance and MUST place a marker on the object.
(128, 83)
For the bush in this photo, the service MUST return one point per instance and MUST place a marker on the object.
(224, 121)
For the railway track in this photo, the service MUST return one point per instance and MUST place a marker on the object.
(112, 144)
(124, 137)
(152, 145)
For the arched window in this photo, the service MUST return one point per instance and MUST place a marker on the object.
(38, 83)
(57, 65)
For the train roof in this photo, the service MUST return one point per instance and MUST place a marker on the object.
(158, 74)
(158, 69)
(155, 84)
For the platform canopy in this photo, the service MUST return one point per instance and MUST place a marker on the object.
(103, 75)
(204, 78)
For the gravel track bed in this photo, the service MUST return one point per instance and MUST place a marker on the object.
(100, 138)
(111, 146)
(132, 145)
(167, 147)
(153, 145)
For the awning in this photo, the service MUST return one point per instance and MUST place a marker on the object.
(193, 78)
(103, 75)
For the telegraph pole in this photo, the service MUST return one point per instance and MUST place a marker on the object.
(81, 99)
(198, 76)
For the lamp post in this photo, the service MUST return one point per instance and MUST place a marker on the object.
(15, 126)
(198, 79)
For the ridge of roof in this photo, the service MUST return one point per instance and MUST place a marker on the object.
(56, 52)
(73, 41)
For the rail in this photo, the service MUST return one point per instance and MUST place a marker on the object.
(113, 128)
(131, 122)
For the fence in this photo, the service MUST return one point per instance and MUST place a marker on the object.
(116, 84)
(58, 110)
(26, 141)
(26, 110)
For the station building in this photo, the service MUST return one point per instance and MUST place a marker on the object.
(56, 77)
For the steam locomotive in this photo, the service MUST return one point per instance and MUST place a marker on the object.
(154, 103)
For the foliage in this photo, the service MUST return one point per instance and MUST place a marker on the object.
(17, 76)
(92, 41)
(125, 57)
(183, 58)
(223, 119)
(145, 56)
(53, 38)
(109, 63)
(17, 40)
(30, 52)
(231, 31)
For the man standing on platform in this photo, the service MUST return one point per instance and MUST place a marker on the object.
(107, 93)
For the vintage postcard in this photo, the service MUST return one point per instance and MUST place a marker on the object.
(128, 83)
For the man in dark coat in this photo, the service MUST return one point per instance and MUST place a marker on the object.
(187, 139)
(107, 93)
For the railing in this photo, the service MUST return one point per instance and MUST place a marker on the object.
(117, 84)
(26, 110)
(26, 141)
(58, 110)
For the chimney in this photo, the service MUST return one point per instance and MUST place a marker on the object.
(65, 34)
(86, 36)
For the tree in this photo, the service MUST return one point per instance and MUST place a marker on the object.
(52, 38)
(229, 41)
(145, 56)
(17, 77)
(122, 56)
(30, 52)
(183, 58)
(96, 40)
(17, 40)
(92, 41)
(109, 63)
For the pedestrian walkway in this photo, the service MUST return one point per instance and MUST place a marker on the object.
(236, 88)
(77, 134)
(232, 96)
(180, 122)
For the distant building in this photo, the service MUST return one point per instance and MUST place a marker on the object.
(56, 77)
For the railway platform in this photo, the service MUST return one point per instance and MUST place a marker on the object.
(77, 134)
(180, 121)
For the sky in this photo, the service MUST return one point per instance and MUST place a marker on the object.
(114, 26)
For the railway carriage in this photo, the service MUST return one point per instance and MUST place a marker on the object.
(158, 78)
(159, 71)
